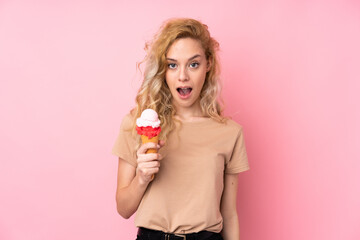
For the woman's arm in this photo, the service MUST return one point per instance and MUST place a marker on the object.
(132, 182)
(129, 190)
(228, 208)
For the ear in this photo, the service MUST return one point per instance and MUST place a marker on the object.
(208, 65)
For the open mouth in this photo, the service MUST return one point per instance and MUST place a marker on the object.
(184, 91)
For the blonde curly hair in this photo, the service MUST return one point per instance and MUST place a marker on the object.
(154, 92)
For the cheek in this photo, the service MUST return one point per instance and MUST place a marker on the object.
(169, 79)
(201, 80)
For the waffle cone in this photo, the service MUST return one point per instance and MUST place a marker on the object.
(155, 139)
(145, 139)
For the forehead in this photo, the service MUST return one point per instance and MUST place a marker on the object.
(185, 48)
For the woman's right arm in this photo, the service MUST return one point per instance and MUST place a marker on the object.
(132, 182)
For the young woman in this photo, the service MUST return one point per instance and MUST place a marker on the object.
(193, 193)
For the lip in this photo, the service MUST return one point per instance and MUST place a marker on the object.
(185, 96)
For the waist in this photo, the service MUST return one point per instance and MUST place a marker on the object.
(154, 234)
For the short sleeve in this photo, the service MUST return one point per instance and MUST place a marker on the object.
(125, 143)
(238, 161)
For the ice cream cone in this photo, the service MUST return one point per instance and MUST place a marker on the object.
(155, 139)
(148, 127)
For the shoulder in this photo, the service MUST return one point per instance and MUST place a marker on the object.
(233, 125)
(127, 122)
(228, 125)
(228, 129)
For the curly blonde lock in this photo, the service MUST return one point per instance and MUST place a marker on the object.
(154, 92)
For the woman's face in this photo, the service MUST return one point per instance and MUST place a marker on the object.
(186, 72)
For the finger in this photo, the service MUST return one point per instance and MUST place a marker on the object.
(152, 164)
(161, 143)
(149, 157)
(148, 172)
(144, 147)
(152, 171)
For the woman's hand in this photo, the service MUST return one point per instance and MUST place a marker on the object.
(148, 164)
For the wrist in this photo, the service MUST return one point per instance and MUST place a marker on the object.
(140, 182)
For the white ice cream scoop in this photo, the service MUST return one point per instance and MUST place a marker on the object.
(148, 118)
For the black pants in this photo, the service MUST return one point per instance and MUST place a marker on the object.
(160, 236)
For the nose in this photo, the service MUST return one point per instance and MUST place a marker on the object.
(183, 75)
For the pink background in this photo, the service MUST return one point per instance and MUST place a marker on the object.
(291, 75)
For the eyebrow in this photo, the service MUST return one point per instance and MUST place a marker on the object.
(195, 56)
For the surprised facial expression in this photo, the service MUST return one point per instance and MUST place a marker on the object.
(186, 72)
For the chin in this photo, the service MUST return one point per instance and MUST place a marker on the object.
(186, 104)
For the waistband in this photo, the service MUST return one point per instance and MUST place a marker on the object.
(203, 235)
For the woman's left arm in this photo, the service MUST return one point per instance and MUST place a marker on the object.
(228, 208)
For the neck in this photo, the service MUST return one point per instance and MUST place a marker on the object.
(189, 113)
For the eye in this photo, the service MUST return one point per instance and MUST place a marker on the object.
(194, 65)
(171, 65)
